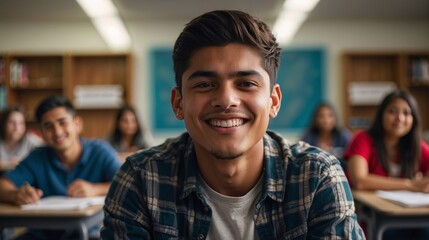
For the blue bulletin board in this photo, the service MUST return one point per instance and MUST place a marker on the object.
(162, 77)
(301, 77)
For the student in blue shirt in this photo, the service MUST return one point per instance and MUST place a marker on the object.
(228, 177)
(324, 131)
(68, 165)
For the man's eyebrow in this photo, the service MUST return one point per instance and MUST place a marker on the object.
(56, 120)
(246, 73)
(201, 73)
(212, 74)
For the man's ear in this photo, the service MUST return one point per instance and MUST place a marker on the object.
(176, 103)
(276, 100)
(78, 124)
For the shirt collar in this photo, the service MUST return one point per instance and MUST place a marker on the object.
(276, 155)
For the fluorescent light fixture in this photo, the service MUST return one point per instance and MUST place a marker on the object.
(113, 32)
(105, 18)
(98, 8)
(287, 25)
(300, 5)
(290, 19)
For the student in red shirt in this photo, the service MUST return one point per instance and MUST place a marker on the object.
(391, 154)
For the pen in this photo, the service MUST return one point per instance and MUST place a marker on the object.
(28, 184)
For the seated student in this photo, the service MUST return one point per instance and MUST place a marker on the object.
(127, 136)
(15, 142)
(325, 133)
(227, 177)
(391, 154)
(68, 165)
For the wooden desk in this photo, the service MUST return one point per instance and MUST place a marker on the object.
(13, 216)
(380, 214)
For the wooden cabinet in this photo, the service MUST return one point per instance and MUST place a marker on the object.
(32, 77)
(405, 70)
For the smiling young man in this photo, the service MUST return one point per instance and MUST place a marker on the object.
(68, 165)
(228, 177)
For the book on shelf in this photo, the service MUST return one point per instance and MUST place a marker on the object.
(3, 97)
(64, 203)
(18, 74)
(2, 72)
(369, 93)
(419, 70)
(405, 198)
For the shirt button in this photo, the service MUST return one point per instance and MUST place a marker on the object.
(200, 237)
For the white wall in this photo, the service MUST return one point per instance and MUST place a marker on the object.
(334, 36)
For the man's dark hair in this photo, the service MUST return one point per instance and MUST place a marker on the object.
(52, 102)
(219, 28)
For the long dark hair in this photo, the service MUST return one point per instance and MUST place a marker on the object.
(314, 129)
(117, 135)
(219, 28)
(409, 145)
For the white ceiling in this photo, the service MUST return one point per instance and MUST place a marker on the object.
(184, 10)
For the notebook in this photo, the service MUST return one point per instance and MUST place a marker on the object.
(405, 198)
(63, 203)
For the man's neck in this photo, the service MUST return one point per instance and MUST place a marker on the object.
(232, 177)
(70, 157)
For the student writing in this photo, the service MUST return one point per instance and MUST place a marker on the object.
(69, 165)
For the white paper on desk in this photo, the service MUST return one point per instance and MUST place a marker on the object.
(405, 198)
(63, 203)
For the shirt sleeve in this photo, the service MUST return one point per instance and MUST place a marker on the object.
(424, 159)
(332, 212)
(360, 145)
(126, 215)
(23, 173)
(111, 161)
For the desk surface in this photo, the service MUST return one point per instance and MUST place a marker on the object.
(13, 210)
(370, 198)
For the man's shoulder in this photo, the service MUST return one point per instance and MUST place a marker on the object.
(40, 150)
(304, 153)
(96, 144)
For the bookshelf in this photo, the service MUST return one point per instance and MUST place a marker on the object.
(378, 71)
(2, 82)
(31, 77)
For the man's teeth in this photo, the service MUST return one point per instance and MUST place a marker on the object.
(226, 123)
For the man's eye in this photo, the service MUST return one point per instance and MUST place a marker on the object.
(204, 85)
(247, 84)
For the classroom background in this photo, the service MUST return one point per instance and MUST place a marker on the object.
(397, 30)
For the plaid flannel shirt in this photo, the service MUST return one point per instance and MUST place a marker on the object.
(156, 195)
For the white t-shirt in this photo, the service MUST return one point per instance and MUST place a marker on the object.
(24, 147)
(232, 217)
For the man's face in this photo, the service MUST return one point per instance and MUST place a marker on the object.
(60, 129)
(226, 101)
